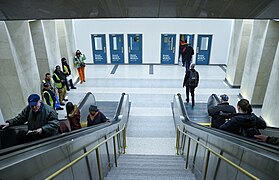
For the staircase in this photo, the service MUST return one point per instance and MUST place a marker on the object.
(161, 167)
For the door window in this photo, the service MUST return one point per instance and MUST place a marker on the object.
(98, 43)
(204, 43)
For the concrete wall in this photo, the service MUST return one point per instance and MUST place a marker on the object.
(28, 50)
(238, 51)
(259, 60)
(152, 30)
(271, 101)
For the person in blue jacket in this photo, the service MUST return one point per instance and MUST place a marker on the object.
(245, 122)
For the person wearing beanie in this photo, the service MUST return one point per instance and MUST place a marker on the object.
(95, 116)
(42, 119)
(221, 112)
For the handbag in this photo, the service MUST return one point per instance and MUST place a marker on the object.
(82, 64)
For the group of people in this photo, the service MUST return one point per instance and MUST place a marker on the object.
(244, 123)
(62, 81)
(42, 120)
(40, 113)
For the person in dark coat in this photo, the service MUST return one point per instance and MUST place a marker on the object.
(95, 116)
(73, 115)
(42, 119)
(60, 80)
(67, 72)
(191, 81)
(48, 95)
(268, 139)
(187, 53)
(245, 122)
(221, 112)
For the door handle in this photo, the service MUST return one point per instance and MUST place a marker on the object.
(173, 50)
(122, 49)
(129, 49)
(198, 50)
(104, 49)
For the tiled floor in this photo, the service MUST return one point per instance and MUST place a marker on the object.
(150, 129)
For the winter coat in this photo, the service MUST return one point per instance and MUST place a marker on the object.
(220, 113)
(244, 124)
(74, 119)
(79, 60)
(45, 118)
(187, 76)
(99, 117)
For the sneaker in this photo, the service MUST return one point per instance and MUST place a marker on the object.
(65, 99)
(59, 108)
(62, 104)
(73, 87)
(81, 82)
(187, 100)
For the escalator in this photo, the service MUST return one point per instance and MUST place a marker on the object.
(38, 159)
(245, 152)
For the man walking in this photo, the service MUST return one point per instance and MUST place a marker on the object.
(191, 81)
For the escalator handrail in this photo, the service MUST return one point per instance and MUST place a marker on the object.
(227, 135)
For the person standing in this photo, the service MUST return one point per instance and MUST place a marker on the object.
(221, 112)
(59, 79)
(80, 65)
(52, 88)
(48, 95)
(42, 119)
(187, 54)
(67, 73)
(191, 81)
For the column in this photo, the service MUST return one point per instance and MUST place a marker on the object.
(238, 51)
(259, 60)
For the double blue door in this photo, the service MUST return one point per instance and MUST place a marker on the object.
(116, 48)
(168, 48)
(203, 49)
(99, 48)
(135, 48)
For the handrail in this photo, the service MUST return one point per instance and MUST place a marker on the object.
(209, 150)
(97, 154)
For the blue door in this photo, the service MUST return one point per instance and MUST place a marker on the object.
(203, 49)
(167, 48)
(116, 48)
(99, 48)
(135, 48)
(189, 38)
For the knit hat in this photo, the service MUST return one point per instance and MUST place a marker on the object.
(93, 108)
(224, 97)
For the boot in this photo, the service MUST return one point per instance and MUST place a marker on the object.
(71, 83)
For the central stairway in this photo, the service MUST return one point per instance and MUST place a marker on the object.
(161, 167)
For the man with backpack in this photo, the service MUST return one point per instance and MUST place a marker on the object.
(191, 81)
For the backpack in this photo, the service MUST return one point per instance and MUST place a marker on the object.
(193, 78)
(249, 132)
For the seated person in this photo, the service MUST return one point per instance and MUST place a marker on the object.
(221, 112)
(245, 122)
(95, 116)
(73, 116)
(268, 139)
(42, 119)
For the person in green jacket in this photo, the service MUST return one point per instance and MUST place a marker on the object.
(42, 119)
